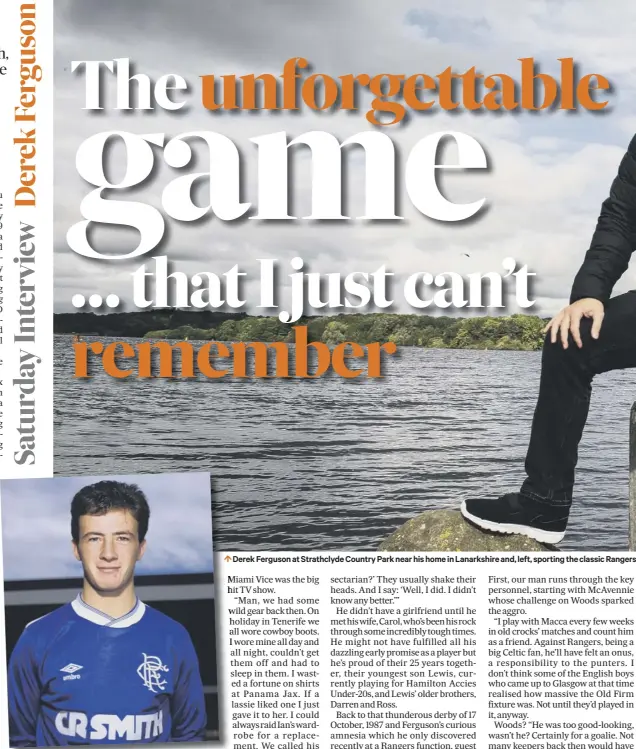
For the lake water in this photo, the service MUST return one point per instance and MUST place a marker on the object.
(338, 465)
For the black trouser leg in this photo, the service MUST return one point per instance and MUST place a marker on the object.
(564, 398)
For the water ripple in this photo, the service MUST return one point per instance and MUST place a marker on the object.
(336, 464)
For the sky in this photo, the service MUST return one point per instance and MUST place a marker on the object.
(549, 172)
(36, 533)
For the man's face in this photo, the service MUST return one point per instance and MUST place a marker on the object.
(108, 549)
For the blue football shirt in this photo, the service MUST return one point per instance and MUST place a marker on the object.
(78, 676)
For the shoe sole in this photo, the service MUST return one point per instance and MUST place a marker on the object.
(546, 537)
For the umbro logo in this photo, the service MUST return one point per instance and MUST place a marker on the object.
(71, 670)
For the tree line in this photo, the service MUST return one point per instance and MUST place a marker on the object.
(514, 332)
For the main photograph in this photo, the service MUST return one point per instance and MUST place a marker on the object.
(459, 371)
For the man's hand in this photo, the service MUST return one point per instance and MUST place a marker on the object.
(568, 320)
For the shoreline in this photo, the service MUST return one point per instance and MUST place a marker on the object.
(204, 341)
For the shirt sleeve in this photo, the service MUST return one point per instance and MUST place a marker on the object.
(24, 693)
(189, 719)
(614, 239)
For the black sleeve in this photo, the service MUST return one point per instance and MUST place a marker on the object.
(614, 238)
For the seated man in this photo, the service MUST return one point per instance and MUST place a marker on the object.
(593, 334)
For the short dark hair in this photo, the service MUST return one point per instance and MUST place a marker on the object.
(105, 496)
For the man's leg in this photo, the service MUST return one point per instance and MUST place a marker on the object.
(564, 396)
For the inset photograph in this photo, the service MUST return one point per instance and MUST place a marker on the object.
(109, 609)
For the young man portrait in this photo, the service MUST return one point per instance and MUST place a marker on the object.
(592, 335)
(105, 668)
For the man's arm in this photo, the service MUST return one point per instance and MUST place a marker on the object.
(614, 239)
(189, 718)
(24, 693)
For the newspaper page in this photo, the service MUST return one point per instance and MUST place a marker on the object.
(429, 650)
(317, 351)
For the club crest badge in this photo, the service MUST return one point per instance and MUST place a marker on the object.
(151, 672)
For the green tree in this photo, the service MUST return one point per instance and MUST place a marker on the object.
(227, 331)
(335, 332)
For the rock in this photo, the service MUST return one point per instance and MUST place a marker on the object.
(446, 530)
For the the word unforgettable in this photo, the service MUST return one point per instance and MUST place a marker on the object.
(155, 286)
(222, 177)
(24, 113)
(447, 90)
(122, 360)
